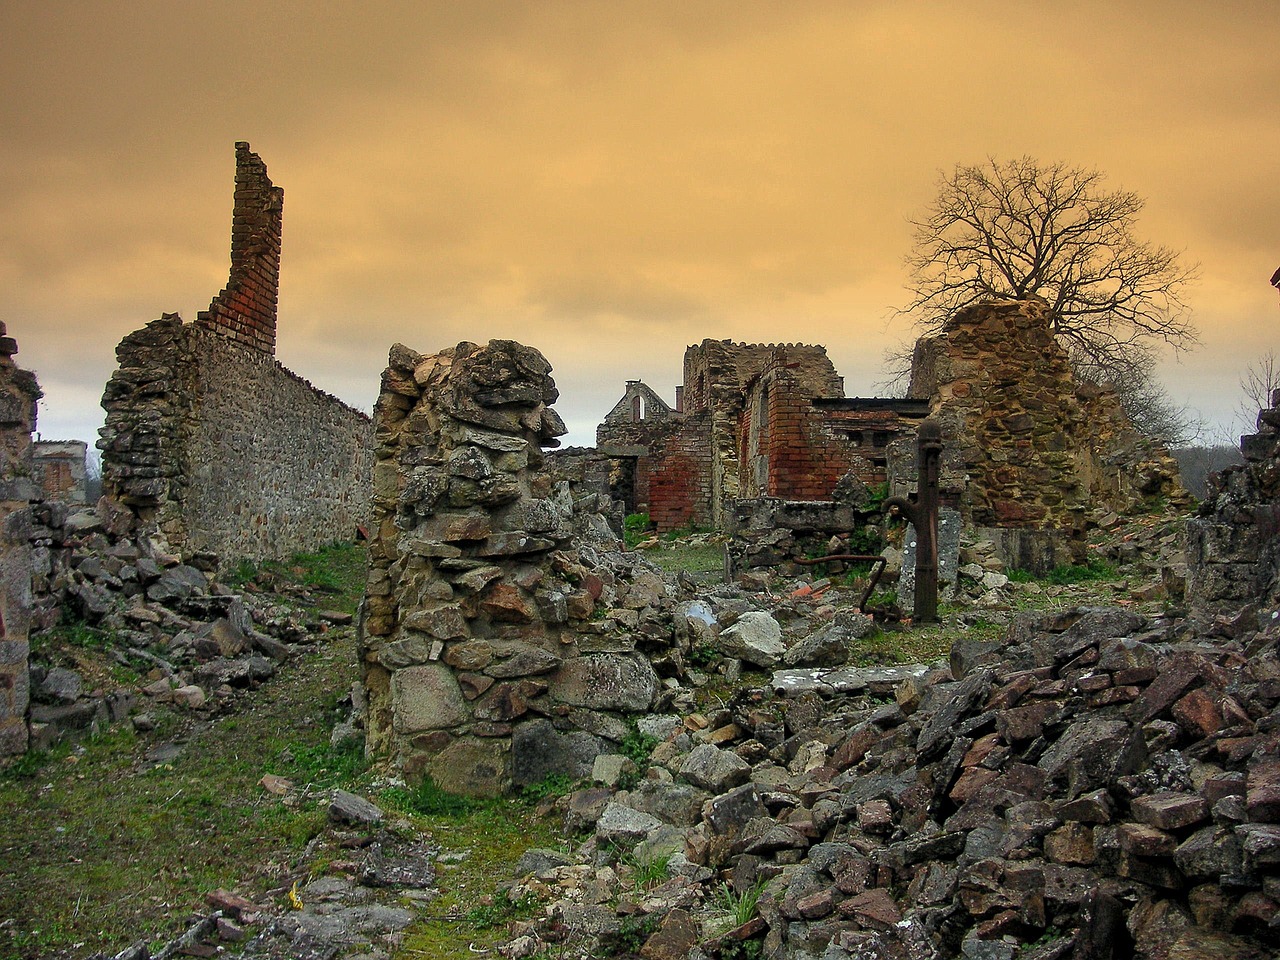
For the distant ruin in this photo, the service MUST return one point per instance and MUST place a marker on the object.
(1028, 449)
(752, 420)
(210, 443)
(59, 469)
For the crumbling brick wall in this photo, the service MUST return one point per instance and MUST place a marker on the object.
(791, 451)
(245, 310)
(485, 663)
(18, 395)
(209, 440)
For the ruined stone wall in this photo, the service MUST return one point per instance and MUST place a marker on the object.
(245, 310)
(220, 449)
(640, 417)
(1233, 546)
(1036, 449)
(484, 661)
(18, 395)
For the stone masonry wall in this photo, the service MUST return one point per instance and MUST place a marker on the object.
(1025, 445)
(219, 448)
(1233, 546)
(18, 395)
(245, 310)
(485, 663)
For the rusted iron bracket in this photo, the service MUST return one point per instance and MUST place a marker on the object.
(877, 561)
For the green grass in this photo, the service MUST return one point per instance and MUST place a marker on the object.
(338, 571)
(741, 906)
(1067, 574)
(692, 557)
(427, 799)
(109, 849)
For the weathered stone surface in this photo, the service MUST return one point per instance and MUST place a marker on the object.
(605, 682)
(714, 769)
(755, 638)
(428, 698)
(622, 824)
(346, 807)
(1093, 753)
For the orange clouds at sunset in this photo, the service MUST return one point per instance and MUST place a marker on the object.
(606, 181)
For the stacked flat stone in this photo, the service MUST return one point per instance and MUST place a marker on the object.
(1026, 446)
(485, 663)
(1233, 547)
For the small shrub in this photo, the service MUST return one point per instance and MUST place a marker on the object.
(502, 910)
(636, 747)
(631, 935)
(552, 785)
(635, 528)
(702, 655)
(429, 800)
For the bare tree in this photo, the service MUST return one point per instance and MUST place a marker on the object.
(1019, 229)
(1258, 384)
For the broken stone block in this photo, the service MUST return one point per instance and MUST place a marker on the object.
(714, 769)
(349, 808)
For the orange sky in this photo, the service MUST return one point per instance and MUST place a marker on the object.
(607, 181)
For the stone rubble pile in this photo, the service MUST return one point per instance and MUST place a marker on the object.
(197, 642)
(1099, 785)
(378, 875)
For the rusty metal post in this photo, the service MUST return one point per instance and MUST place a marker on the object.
(926, 522)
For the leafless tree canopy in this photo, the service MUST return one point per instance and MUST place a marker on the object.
(1258, 384)
(1019, 229)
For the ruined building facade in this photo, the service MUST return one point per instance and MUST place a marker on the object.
(59, 467)
(1029, 451)
(751, 420)
(210, 442)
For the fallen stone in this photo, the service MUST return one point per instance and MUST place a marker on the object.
(348, 808)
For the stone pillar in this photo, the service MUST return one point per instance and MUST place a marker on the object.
(483, 665)
(18, 395)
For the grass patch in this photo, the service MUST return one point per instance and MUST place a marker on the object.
(339, 571)
(691, 557)
(110, 849)
(550, 786)
(480, 846)
(427, 799)
(1067, 574)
